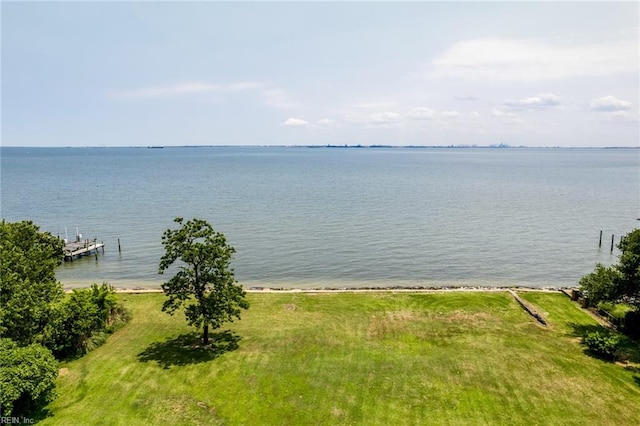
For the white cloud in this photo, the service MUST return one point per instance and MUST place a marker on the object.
(619, 114)
(412, 116)
(326, 122)
(541, 101)
(425, 116)
(619, 117)
(245, 85)
(534, 60)
(376, 105)
(271, 96)
(167, 91)
(295, 122)
(506, 117)
(422, 113)
(381, 119)
(385, 117)
(609, 104)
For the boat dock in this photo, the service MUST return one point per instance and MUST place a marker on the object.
(82, 248)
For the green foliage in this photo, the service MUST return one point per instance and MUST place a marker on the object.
(600, 285)
(602, 344)
(84, 320)
(80, 319)
(617, 310)
(629, 267)
(106, 302)
(95, 340)
(619, 283)
(36, 318)
(27, 378)
(204, 284)
(34, 308)
(28, 287)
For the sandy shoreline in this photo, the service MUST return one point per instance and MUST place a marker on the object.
(392, 289)
(325, 286)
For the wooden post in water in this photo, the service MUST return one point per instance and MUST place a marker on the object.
(600, 243)
(119, 251)
(612, 238)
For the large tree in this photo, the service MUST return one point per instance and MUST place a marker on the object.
(629, 267)
(620, 282)
(28, 285)
(204, 283)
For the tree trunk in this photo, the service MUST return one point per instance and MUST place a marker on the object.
(205, 334)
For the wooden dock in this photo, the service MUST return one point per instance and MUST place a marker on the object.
(82, 248)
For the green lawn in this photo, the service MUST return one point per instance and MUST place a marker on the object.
(344, 358)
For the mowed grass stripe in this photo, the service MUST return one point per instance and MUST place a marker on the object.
(570, 322)
(343, 358)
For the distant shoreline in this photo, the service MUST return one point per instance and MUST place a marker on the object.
(330, 146)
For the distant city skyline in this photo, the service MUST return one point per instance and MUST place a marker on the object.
(307, 73)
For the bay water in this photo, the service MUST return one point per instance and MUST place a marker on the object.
(303, 217)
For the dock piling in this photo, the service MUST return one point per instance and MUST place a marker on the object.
(612, 240)
(119, 251)
(600, 243)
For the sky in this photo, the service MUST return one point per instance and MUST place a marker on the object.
(318, 73)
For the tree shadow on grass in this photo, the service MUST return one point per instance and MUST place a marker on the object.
(188, 349)
(581, 330)
(629, 349)
(631, 353)
(33, 415)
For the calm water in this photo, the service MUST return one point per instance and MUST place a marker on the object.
(302, 217)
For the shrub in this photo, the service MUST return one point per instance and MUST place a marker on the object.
(84, 320)
(27, 378)
(106, 302)
(603, 344)
(96, 340)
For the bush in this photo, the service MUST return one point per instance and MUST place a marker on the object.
(604, 345)
(27, 378)
(106, 302)
(599, 285)
(84, 320)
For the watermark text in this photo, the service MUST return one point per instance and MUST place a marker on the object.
(5, 420)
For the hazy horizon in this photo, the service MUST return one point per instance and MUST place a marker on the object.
(331, 146)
